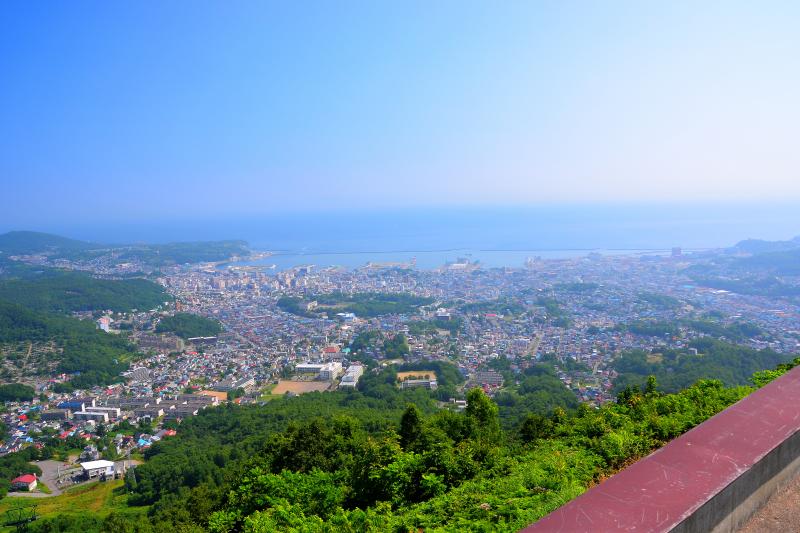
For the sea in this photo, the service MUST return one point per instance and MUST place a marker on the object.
(495, 237)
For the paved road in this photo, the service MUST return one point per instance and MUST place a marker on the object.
(50, 470)
(30, 494)
(50, 473)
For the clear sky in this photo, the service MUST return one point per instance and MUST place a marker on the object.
(118, 110)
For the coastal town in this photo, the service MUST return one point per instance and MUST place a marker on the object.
(316, 329)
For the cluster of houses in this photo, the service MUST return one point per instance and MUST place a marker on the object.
(82, 417)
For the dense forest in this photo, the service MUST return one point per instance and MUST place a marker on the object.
(677, 369)
(16, 392)
(66, 292)
(396, 347)
(360, 462)
(538, 392)
(187, 325)
(736, 331)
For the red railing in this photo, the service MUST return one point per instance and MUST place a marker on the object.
(711, 478)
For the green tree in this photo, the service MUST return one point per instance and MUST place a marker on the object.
(484, 413)
(410, 427)
(536, 427)
(652, 386)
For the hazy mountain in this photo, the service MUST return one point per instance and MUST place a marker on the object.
(33, 242)
(758, 246)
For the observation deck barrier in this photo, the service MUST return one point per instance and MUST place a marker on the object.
(711, 478)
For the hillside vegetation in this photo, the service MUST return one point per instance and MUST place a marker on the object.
(99, 357)
(154, 255)
(34, 242)
(677, 369)
(361, 462)
(66, 292)
(93, 507)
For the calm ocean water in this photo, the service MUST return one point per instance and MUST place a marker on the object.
(496, 237)
(428, 259)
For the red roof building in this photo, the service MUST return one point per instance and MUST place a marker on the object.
(24, 482)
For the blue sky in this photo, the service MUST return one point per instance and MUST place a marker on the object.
(118, 111)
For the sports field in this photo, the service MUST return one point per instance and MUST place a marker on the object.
(300, 387)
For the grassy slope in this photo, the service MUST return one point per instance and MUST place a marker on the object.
(99, 499)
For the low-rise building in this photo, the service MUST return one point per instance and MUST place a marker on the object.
(425, 383)
(148, 412)
(24, 482)
(88, 415)
(324, 371)
(230, 383)
(89, 453)
(112, 412)
(351, 376)
(331, 371)
(96, 469)
(72, 405)
(308, 368)
(55, 414)
(181, 412)
(198, 399)
(161, 343)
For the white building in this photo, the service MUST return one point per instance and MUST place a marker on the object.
(351, 376)
(86, 415)
(113, 412)
(331, 371)
(103, 323)
(324, 371)
(308, 368)
(424, 383)
(93, 469)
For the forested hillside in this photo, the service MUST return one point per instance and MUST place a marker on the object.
(159, 255)
(677, 369)
(98, 356)
(35, 307)
(187, 325)
(34, 242)
(65, 292)
(358, 463)
(154, 255)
